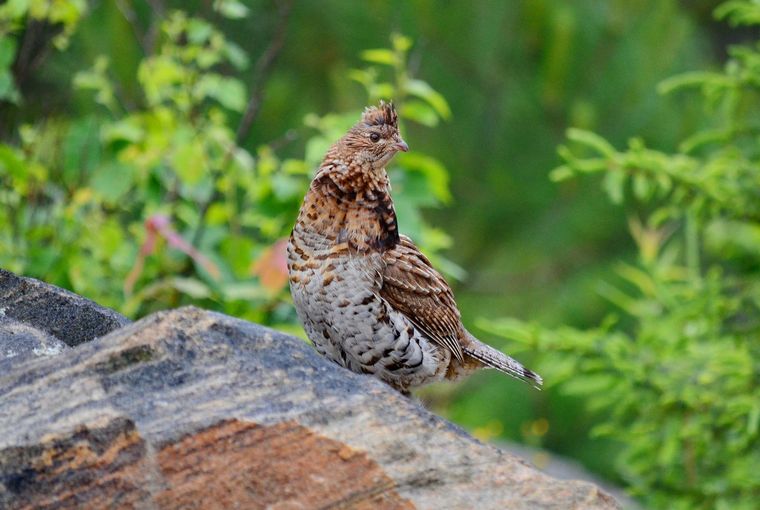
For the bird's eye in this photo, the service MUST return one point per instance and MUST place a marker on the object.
(374, 137)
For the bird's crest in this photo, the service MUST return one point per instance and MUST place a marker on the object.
(383, 114)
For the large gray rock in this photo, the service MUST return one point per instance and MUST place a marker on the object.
(37, 319)
(193, 409)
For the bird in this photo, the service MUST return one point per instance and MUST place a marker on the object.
(367, 297)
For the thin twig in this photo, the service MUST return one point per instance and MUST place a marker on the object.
(130, 15)
(290, 136)
(261, 70)
(159, 12)
(415, 57)
(35, 46)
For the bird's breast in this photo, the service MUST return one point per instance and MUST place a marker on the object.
(364, 221)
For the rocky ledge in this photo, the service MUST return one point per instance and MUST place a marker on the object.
(194, 409)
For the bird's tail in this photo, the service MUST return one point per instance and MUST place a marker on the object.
(490, 357)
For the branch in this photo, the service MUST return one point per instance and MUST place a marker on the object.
(159, 12)
(262, 69)
(35, 46)
(147, 39)
(130, 15)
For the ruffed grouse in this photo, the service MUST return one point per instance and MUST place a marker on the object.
(368, 298)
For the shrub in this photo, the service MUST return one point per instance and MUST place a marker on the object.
(675, 376)
(156, 202)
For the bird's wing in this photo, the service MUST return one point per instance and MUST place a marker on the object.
(413, 287)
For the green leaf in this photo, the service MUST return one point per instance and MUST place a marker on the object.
(96, 79)
(236, 55)
(637, 277)
(128, 130)
(199, 31)
(614, 185)
(190, 162)
(739, 12)
(592, 140)
(159, 75)
(11, 162)
(8, 90)
(424, 91)
(244, 291)
(703, 138)
(112, 180)
(243, 159)
(363, 76)
(691, 79)
(400, 43)
(641, 187)
(380, 56)
(231, 9)
(419, 112)
(381, 91)
(229, 92)
(435, 173)
(191, 286)
(285, 186)
(7, 52)
(561, 173)
(14, 9)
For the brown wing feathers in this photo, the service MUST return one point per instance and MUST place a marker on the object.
(413, 287)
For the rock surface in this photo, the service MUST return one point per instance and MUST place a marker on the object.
(37, 319)
(193, 409)
(19, 341)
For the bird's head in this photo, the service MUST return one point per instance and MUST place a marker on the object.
(375, 139)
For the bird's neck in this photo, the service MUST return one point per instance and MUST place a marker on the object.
(351, 173)
(352, 206)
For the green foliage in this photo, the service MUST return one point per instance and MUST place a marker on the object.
(15, 15)
(154, 203)
(675, 376)
(135, 188)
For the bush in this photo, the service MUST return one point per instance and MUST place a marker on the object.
(155, 202)
(676, 375)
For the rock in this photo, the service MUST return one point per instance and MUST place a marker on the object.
(19, 341)
(37, 319)
(566, 468)
(194, 409)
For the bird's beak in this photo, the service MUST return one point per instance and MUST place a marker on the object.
(402, 146)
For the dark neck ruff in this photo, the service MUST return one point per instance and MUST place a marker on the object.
(371, 208)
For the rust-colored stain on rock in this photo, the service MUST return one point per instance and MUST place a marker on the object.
(95, 466)
(232, 464)
(236, 464)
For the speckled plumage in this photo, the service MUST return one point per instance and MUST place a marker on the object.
(369, 300)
